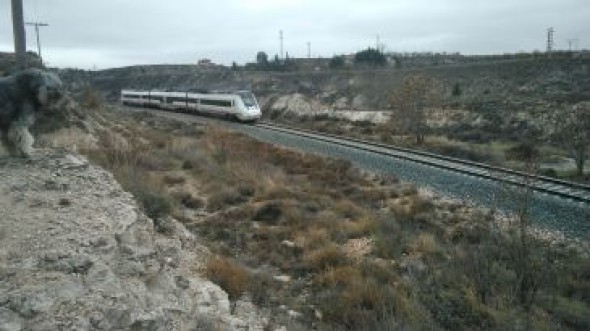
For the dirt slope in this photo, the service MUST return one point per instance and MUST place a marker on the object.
(76, 254)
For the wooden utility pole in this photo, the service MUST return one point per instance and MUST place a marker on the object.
(37, 25)
(20, 40)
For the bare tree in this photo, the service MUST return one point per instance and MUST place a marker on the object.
(411, 101)
(570, 127)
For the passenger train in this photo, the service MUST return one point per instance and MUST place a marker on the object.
(241, 105)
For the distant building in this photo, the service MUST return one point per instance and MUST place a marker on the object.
(206, 63)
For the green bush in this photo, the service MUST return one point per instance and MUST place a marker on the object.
(155, 204)
(574, 314)
(337, 62)
(457, 91)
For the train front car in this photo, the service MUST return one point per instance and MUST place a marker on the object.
(132, 98)
(249, 110)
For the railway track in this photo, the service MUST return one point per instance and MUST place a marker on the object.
(547, 185)
(551, 186)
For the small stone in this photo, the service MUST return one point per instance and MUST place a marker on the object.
(318, 314)
(288, 243)
(282, 278)
(294, 314)
(182, 282)
(65, 202)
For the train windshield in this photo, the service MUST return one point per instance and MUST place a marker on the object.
(248, 98)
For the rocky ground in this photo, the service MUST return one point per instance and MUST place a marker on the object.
(77, 254)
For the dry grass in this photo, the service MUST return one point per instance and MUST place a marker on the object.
(312, 238)
(92, 98)
(425, 243)
(367, 252)
(360, 227)
(408, 207)
(72, 138)
(330, 255)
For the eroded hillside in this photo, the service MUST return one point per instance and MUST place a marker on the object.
(77, 253)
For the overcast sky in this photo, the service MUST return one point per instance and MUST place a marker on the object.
(114, 33)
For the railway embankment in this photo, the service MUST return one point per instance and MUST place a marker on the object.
(317, 242)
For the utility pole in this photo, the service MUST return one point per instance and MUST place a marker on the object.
(37, 25)
(20, 40)
(377, 43)
(309, 50)
(281, 43)
(550, 33)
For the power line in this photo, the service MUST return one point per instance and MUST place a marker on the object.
(18, 28)
(37, 25)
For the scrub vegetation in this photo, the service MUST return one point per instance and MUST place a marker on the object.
(321, 244)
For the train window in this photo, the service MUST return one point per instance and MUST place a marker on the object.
(247, 98)
(219, 103)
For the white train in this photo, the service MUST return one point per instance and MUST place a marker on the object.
(241, 105)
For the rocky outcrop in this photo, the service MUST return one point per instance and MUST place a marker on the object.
(295, 103)
(300, 105)
(76, 253)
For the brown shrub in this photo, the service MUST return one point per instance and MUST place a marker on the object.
(187, 200)
(359, 228)
(312, 238)
(425, 243)
(356, 303)
(347, 209)
(227, 197)
(92, 98)
(338, 276)
(328, 256)
(171, 180)
(269, 213)
(229, 275)
(390, 239)
(409, 206)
